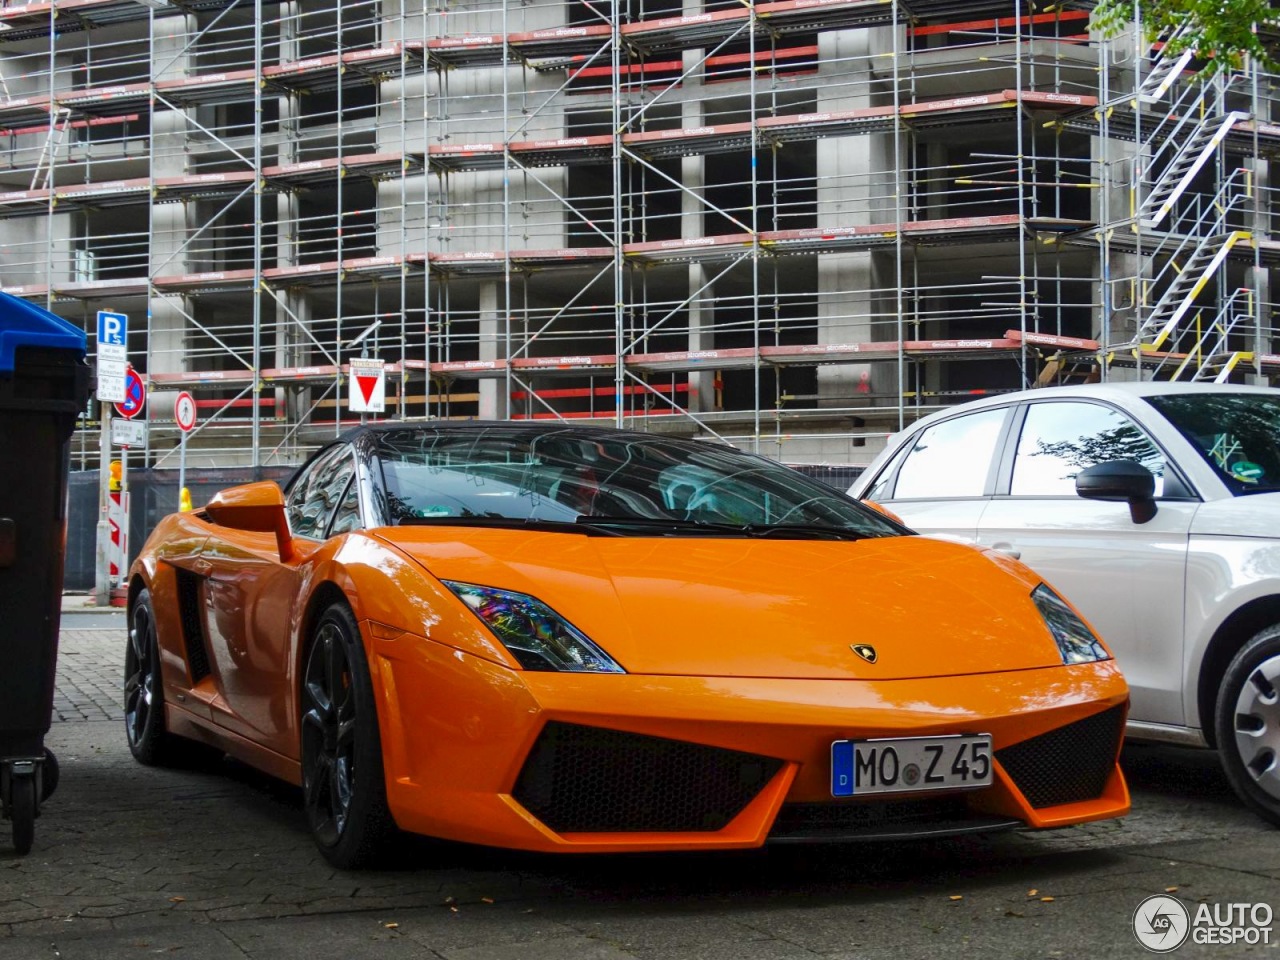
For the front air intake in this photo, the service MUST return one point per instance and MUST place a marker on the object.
(1066, 765)
(580, 779)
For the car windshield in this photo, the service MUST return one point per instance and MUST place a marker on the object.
(623, 483)
(1238, 434)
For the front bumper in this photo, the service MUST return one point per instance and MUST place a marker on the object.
(458, 733)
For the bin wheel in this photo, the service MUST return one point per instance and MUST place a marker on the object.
(49, 774)
(22, 811)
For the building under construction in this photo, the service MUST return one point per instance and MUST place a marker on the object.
(794, 225)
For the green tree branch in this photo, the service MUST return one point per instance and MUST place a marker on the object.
(1221, 33)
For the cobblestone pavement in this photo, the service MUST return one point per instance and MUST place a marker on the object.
(90, 667)
(211, 860)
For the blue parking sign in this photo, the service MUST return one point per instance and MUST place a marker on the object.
(113, 328)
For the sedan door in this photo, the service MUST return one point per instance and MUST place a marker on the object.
(1127, 578)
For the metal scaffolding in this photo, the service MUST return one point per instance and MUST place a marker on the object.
(793, 225)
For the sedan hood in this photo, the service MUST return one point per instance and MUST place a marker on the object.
(761, 608)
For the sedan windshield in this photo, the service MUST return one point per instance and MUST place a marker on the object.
(1238, 434)
(618, 483)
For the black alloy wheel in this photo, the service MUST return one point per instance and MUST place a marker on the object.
(143, 690)
(342, 774)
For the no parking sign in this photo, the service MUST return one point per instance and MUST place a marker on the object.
(135, 395)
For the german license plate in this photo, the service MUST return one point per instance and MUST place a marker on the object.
(909, 765)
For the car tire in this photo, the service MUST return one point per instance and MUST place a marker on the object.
(1247, 724)
(149, 741)
(22, 812)
(343, 784)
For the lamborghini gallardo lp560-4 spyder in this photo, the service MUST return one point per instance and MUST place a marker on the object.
(560, 638)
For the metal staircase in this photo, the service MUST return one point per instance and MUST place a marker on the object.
(1197, 232)
(1164, 73)
(1191, 157)
(1213, 359)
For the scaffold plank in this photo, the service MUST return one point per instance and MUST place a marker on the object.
(115, 287)
(376, 166)
(701, 249)
(108, 193)
(226, 87)
(201, 186)
(695, 141)
(589, 364)
(105, 100)
(735, 358)
(353, 68)
(208, 281)
(1055, 341)
(24, 21)
(469, 369)
(20, 111)
(560, 41)
(480, 50)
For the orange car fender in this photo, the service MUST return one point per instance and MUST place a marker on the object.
(392, 597)
(385, 587)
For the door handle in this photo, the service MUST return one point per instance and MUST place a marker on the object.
(1007, 549)
(202, 567)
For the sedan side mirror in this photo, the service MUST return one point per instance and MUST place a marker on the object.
(256, 507)
(1120, 480)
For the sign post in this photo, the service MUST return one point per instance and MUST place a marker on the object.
(184, 412)
(113, 340)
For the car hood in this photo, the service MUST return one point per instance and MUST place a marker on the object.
(761, 608)
(1252, 515)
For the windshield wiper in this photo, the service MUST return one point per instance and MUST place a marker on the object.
(505, 523)
(767, 530)
(816, 529)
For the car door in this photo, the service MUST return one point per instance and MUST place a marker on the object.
(1127, 578)
(940, 481)
(249, 599)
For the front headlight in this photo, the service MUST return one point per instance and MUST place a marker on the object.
(535, 634)
(1075, 640)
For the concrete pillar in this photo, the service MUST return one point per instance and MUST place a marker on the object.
(495, 401)
(171, 223)
(854, 181)
(693, 225)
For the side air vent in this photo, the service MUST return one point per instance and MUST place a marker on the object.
(192, 624)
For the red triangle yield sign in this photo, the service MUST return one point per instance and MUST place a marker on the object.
(366, 385)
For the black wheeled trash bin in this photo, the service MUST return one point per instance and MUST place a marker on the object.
(44, 385)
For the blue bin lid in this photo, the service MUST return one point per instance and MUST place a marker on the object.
(24, 324)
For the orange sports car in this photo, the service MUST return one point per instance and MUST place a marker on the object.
(560, 638)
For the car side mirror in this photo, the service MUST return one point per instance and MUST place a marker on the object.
(256, 507)
(1120, 480)
(885, 511)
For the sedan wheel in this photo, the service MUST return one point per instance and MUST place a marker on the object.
(342, 774)
(1248, 723)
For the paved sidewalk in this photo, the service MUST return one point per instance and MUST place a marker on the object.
(213, 861)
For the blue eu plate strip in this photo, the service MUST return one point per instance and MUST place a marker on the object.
(842, 768)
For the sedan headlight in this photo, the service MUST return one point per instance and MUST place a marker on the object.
(535, 634)
(1075, 640)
